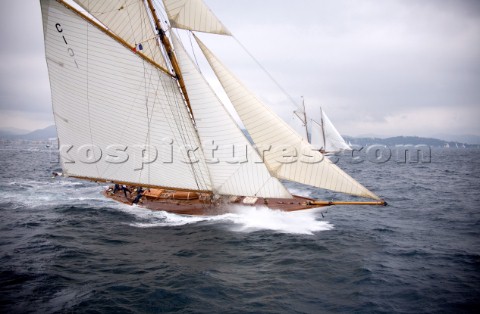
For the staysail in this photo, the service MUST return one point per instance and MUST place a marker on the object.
(326, 136)
(235, 167)
(129, 20)
(286, 154)
(118, 117)
(193, 15)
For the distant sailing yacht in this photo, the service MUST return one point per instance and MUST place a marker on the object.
(321, 133)
(132, 109)
(326, 136)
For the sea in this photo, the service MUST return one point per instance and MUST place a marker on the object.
(64, 248)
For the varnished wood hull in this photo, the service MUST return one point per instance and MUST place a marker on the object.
(205, 206)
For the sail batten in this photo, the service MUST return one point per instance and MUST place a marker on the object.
(292, 157)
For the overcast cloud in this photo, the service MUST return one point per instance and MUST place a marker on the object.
(377, 67)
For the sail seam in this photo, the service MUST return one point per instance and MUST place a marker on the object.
(258, 117)
(88, 98)
(113, 36)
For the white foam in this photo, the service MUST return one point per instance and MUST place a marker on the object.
(36, 193)
(241, 219)
(250, 219)
(300, 192)
(149, 218)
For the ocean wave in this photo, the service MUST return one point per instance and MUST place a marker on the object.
(238, 219)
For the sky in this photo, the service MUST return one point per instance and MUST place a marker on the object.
(378, 68)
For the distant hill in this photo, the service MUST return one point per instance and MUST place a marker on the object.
(404, 140)
(42, 134)
(397, 140)
(8, 133)
(465, 138)
(51, 132)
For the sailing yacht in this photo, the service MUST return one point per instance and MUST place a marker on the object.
(321, 134)
(326, 136)
(133, 109)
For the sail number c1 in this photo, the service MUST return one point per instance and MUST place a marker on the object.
(70, 51)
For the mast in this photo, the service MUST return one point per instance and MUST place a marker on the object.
(323, 130)
(305, 118)
(171, 56)
(302, 116)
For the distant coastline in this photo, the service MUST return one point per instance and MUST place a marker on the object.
(407, 140)
(50, 132)
(37, 135)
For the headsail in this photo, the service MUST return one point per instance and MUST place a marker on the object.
(193, 15)
(269, 131)
(326, 136)
(118, 117)
(245, 176)
(128, 19)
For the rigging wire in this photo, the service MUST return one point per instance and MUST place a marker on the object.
(193, 51)
(196, 140)
(296, 105)
(179, 122)
(266, 72)
(146, 81)
(183, 124)
(144, 33)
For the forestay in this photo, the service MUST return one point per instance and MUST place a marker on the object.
(277, 140)
(115, 112)
(235, 167)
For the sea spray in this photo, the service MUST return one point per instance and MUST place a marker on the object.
(249, 219)
(147, 218)
(238, 219)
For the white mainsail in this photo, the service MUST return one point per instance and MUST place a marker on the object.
(129, 20)
(324, 135)
(276, 139)
(193, 15)
(244, 176)
(104, 94)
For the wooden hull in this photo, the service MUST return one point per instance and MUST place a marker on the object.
(203, 205)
